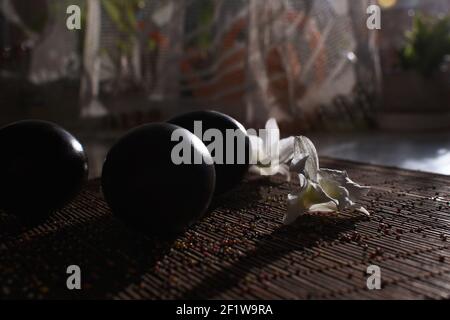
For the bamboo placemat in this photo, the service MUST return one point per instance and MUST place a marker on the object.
(241, 249)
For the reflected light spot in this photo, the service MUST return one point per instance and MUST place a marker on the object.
(76, 145)
(439, 164)
(386, 4)
(351, 56)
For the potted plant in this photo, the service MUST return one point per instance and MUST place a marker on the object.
(418, 96)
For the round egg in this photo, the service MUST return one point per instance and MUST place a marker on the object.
(42, 167)
(227, 142)
(151, 185)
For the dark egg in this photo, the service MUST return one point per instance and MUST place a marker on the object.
(231, 157)
(147, 188)
(42, 167)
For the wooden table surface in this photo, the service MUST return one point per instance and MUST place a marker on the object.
(241, 249)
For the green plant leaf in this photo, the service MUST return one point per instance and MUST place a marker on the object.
(426, 45)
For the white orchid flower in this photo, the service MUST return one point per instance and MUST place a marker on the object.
(270, 155)
(320, 189)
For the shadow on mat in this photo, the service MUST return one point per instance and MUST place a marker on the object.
(110, 256)
(248, 192)
(301, 235)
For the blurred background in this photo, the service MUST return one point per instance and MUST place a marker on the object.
(378, 96)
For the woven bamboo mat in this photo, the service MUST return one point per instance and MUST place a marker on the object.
(241, 249)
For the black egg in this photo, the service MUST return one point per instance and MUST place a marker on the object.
(42, 167)
(228, 173)
(147, 190)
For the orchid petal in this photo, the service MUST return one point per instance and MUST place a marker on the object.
(322, 190)
(302, 180)
(336, 175)
(294, 209)
(298, 164)
(363, 211)
(286, 149)
(269, 153)
(272, 124)
(263, 171)
(304, 146)
(310, 195)
(354, 191)
(283, 169)
(324, 207)
(315, 194)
